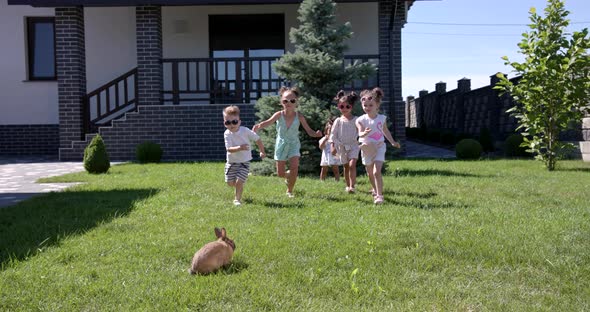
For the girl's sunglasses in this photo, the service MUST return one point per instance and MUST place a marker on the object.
(368, 98)
(293, 101)
(342, 106)
(231, 122)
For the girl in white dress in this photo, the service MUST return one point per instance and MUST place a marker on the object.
(373, 131)
(328, 160)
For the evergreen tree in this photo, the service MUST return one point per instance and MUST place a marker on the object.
(317, 68)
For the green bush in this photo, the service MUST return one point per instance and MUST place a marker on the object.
(512, 146)
(468, 149)
(486, 140)
(96, 159)
(148, 152)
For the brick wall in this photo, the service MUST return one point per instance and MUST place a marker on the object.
(390, 68)
(149, 54)
(71, 72)
(29, 139)
(185, 132)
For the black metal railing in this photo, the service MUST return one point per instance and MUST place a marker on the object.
(232, 80)
(110, 101)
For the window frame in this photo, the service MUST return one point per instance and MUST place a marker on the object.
(30, 32)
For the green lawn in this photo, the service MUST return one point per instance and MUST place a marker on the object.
(452, 235)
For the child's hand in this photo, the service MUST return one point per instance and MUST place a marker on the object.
(396, 144)
(318, 134)
(262, 154)
(366, 132)
(256, 127)
(333, 150)
(244, 147)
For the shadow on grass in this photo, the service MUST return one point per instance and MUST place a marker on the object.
(43, 221)
(293, 203)
(416, 200)
(587, 170)
(235, 267)
(430, 172)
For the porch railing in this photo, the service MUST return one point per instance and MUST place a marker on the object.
(110, 101)
(231, 80)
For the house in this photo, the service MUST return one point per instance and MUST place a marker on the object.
(162, 70)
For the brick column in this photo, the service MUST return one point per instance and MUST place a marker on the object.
(390, 64)
(149, 54)
(71, 73)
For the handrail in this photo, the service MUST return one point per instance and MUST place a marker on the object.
(232, 79)
(96, 112)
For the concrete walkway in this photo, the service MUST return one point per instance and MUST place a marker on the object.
(417, 150)
(18, 176)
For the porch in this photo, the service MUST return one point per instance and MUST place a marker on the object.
(200, 81)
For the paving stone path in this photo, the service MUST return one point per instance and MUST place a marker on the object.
(417, 150)
(18, 176)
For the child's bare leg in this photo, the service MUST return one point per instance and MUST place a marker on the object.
(378, 177)
(239, 189)
(281, 168)
(323, 173)
(336, 172)
(352, 173)
(371, 175)
(294, 170)
(346, 174)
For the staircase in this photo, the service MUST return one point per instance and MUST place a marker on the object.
(101, 106)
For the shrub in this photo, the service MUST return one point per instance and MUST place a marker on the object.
(461, 136)
(512, 146)
(96, 159)
(486, 140)
(468, 149)
(148, 152)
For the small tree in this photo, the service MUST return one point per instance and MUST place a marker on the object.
(96, 159)
(317, 68)
(555, 82)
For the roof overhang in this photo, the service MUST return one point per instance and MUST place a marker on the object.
(112, 3)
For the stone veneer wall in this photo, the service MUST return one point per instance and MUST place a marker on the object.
(29, 139)
(185, 132)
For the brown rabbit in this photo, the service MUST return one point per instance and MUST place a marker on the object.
(213, 255)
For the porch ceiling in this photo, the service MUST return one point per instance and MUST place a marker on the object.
(111, 3)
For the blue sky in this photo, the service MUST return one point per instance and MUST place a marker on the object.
(438, 52)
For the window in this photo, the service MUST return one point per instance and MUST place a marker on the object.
(41, 48)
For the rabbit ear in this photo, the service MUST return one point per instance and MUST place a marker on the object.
(218, 232)
(223, 233)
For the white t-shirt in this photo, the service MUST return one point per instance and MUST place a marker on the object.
(242, 136)
(376, 126)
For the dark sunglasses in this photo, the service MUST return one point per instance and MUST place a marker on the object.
(293, 101)
(342, 106)
(368, 98)
(231, 122)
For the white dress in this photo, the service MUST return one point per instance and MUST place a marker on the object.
(327, 158)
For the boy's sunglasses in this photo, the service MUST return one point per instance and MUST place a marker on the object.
(231, 122)
(368, 98)
(342, 106)
(293, 101)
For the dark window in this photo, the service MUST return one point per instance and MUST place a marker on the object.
(41, 48)
(247, 32)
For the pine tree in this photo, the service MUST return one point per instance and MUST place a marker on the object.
(317, 68)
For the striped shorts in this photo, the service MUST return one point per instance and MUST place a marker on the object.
(237, 171)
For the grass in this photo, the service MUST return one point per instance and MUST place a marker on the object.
(452, 235)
